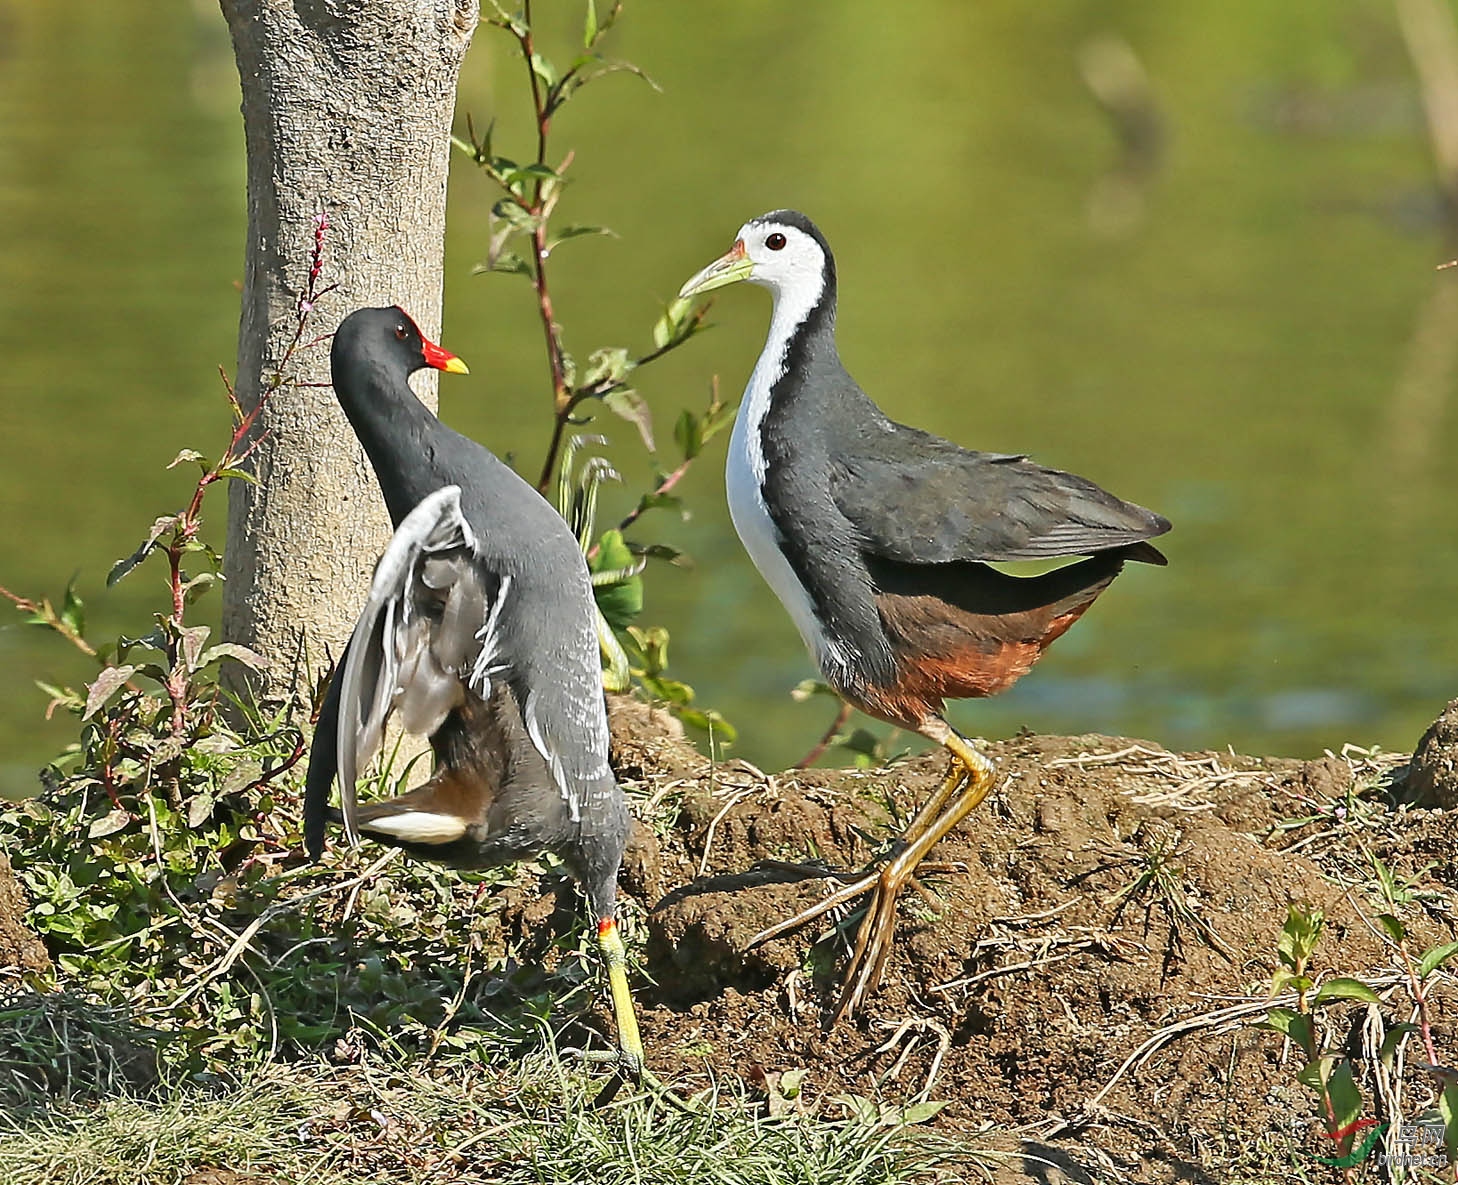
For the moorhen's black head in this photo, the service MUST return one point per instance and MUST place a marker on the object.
(387, 340)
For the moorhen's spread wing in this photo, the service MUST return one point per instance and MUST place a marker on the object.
(423, 640)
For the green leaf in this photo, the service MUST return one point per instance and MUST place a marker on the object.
(1299, 936)
(576, 232)
(861, 1109)
(109, 824)
(661, 551)
(675, 323)
(188, 454)
(200, 809)
(1345, 1097)
(123, 566)
(863, 741)
(238, 653)
(152, 640)
(689, 434)
(717, 417)
(1347, 989)
(589, 28)
(514, 215)
(60, 697)
(73, 610)
(1314, 1074)
(654, 501)
(791, 1082)
(806, 688)
(1435, 957)
(631, 406)
(544, 70)
(508, 262)
(1391, 1040)
(1303, 1033)
(1395, 929)
(199, 584)
(193, 639)
(234, 474)
(104, 686)
(921, 1112)
(622, 601)
(652, 644)
(669, 690)
(1448, 1109)
(1278, 1020)
(710, 721)
(1392, 892)
(606, 366)
(617, 674)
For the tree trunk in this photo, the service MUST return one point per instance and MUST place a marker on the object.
(347, 108)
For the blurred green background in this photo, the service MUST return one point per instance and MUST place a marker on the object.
(1213, 293)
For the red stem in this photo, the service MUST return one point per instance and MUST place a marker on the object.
(561, 398)
(818, 750)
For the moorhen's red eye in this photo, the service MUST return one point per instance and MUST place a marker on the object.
(775, 242)
(401, 333)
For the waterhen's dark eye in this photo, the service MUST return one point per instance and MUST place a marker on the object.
(775, 242)
(401, 332)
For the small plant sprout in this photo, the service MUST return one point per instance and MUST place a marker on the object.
(1326, 1072)
(1160, 881)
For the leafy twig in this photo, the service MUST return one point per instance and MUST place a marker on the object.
(529, 199)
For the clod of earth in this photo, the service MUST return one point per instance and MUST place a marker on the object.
(1433, 778)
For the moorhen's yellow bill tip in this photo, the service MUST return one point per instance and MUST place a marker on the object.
(442, 359)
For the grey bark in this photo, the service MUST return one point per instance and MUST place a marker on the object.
(347, 107)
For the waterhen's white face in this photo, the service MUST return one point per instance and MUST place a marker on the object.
(770, 252)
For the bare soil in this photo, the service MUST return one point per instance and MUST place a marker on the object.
(1087, 961)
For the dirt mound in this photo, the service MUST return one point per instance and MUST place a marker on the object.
(1086, 960)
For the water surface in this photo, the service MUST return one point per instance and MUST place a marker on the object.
(1264, 356)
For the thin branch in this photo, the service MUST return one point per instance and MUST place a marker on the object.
(47, 612)
(817, 751)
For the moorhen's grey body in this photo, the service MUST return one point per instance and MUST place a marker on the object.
(878, 537)
(479, 632)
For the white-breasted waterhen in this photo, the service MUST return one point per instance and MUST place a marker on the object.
(479, 632)
(878, 538)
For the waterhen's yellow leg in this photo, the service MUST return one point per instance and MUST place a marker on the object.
(967, 783)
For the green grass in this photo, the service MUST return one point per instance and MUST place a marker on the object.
(385, 1119)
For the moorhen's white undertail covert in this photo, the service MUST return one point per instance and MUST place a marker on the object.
(878, 539)
(479, 633)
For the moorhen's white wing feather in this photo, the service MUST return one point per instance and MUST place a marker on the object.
(419, 629)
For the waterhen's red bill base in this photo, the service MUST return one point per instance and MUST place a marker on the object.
(479, 633)
(878, 538)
